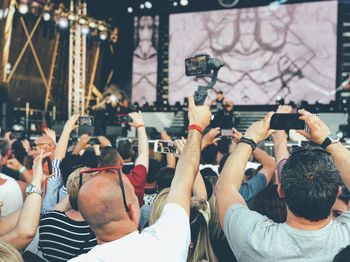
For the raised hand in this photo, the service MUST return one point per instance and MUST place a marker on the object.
(318, 130)
(211, 137)
(104, 141)
(137, 119)
(260, 130)
(198, 115)
(50, 133)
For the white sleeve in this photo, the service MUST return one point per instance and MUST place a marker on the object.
(172, 230)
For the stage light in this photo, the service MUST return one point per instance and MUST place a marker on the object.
(130, 9)
(46, 16)
(63, 22)
(23, 8)
(148, 4)
(142, 6)
(71, 17)
(175, 3)
(183, 2)
(101, 27)
(92, 24)
(85, 29)
(82, 21)
(103, 35)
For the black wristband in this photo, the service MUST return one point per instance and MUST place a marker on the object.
(248, 141)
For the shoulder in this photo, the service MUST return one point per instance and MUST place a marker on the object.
(139, 169)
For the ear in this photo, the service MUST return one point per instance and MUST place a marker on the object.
(121, 161)
(133, 153)
(133, 214)
(339, 191)
(280, 191)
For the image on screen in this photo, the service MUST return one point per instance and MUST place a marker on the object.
(271, 52)
(145, 59)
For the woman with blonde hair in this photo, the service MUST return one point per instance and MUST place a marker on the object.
(200, 247)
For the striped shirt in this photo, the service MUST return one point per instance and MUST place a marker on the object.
(61, 238)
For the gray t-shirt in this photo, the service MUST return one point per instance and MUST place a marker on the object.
(254, 237)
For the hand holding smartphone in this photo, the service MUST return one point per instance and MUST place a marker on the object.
(287, 122)
(165, 147)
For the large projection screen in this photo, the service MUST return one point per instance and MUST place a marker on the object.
(271, 52)
(145, 59)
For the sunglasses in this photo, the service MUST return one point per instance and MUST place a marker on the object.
(103, 169)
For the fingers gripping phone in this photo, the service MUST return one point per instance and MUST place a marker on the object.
(287, 122)
(165, 147)
(123, 119)
(86, 121)
(49, 164)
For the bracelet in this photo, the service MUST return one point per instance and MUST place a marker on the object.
(248, 141)
(21, 170)
(197, 127)
(139, 126)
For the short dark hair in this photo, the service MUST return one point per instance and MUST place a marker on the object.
(125, 148)
(343, 255)
(164, 177)
(209, 154)
(310, 181)
(109, 157)
(153, 169)
(4, 146)
(68, 165)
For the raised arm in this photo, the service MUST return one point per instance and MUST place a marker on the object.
(187, 166)
(143, 148)
(82, 143)
(62, 145)
(232, 174)
(318, 132)
(28, 220)
(268, 163)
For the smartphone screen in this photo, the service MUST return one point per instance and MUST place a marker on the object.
(86, 121)
(226, 132)
(123, 119)
(196, 66)
(165, 147)
(286, 122)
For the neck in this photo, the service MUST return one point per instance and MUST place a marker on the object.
(304, 224)
(114, 231)
(74, 215)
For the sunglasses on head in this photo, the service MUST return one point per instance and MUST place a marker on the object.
(103, 169)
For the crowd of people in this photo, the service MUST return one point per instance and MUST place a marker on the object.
(216, 200)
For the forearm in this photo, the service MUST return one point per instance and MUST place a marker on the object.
(62, 145)
(280, 145)
(26, 176)
(341, 156)
(233, 171)
(171, 160)
(143, 147)
(266, 161)
(199, 188)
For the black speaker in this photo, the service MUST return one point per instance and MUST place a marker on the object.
(89, 130)
(113, 131)
(175, 131)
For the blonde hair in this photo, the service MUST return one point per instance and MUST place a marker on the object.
(8, 253)
(158, 205)
(73, 185)
(202, 248)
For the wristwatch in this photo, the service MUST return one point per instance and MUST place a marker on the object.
(330, 139)
(248, 141)
(33, 189)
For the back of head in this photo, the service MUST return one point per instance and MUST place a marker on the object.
(153, 169)
(268, 203)
(343, 255)
(125, 148)
(68, 165)
(4, 146)
(8, 253)
(209, 154)
(200, 242)
(101, 203)
(109, 157)
(164, 177)
(73, 185)
(310, 181)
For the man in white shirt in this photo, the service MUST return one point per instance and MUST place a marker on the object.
(113, 214)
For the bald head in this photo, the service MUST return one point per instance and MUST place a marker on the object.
(44, 143)
(101, 201)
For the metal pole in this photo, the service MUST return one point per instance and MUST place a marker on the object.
(27, 117)
(3, 117)
(54, 113)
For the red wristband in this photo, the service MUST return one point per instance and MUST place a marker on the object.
(197, 127)
(140, 126)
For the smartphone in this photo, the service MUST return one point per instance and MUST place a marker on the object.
(165, 147)
(123, 119)
(49, 164)
(197, 65)
(227, 132)
(286, 122)
(86, 121)
(94, 140)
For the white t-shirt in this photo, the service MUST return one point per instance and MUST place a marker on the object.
(10, 195)
(167, 240)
